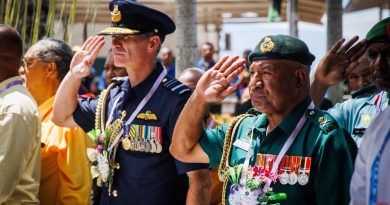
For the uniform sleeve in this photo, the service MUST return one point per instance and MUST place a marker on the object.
(334, 169)
(212, 141)
(18, 137)
(337, 113)
(84, 115)
(181, 167)
(74, 169)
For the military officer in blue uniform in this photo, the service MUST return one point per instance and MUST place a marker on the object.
(356, 114)
(298, 147)
(138, 113)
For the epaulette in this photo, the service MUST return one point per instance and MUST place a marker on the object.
(365, 90)
(322, 119)
(253, 111)
(175, 86)
(119, 80)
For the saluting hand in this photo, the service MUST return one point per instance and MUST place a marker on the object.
(334, 66)
(215, 85)
(83, 59)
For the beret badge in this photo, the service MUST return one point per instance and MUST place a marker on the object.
(267, 45)
(116, 15)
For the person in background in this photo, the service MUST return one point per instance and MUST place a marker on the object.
(360, 74)
(110, 70)
(20, 127)
(65, 170)
(356, 114)
(370, 182)
(168, 60)
(207, 52)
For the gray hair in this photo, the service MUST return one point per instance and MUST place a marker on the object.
(57, 51)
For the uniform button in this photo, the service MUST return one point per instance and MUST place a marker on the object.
(117, 166)
(115, 193)
(164, 80)
(311, 113)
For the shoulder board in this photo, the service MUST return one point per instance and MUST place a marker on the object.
(175, 86)
(253, 111)
(363, 91)
(321, 119)
(119, 80)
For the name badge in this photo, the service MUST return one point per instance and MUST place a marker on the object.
(242, 144)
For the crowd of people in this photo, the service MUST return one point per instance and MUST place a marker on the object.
(149, 138)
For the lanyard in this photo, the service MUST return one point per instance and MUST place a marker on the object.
(140, 106)
(11, 84)
(378, 103)
(374, 173)
(287, 145)
(211, 124)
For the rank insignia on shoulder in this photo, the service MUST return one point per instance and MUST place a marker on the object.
(148, 115)
(175, 86)
(322, 120)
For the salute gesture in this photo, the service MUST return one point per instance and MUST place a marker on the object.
(215, 85)
(333, 67)
(83, 59)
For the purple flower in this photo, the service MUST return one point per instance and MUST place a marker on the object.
(258, 192)
(102, 138)
(99, 148)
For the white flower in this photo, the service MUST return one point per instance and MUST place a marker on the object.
(94, 171)
(103, 165)
(92, 154)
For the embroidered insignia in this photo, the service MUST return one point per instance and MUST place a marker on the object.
(366, 119)
(148, 115)
(267, 45)
(116, 15)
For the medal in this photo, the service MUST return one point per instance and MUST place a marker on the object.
(303, 179)
(125, 140)
(142, 146)
(292, 178)
(148, 146)
(158, 148)
(126, 143)
(153, 141)
(284, 178)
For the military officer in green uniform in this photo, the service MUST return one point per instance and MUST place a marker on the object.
(292, 147)
(356, 114)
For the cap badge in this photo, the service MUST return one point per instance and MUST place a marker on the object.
(267, 45)
(116, 15)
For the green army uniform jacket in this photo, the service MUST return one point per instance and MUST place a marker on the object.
(330, 148)
(356, 114)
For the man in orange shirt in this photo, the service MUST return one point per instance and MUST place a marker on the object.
(65, 170)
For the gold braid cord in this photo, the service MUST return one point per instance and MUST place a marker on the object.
(223, 171)
(101, 107)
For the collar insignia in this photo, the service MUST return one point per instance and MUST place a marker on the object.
(116, 15)
(148, 115)
(267, 45)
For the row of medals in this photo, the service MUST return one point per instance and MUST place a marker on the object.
(151, 146)
(293, 178)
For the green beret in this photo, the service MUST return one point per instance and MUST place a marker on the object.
(282, 47)
(379, 32)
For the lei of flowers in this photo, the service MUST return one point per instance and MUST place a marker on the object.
(99, 157)
(249, 190)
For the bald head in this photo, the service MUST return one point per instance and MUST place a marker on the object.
(10, 51)
(190, 77)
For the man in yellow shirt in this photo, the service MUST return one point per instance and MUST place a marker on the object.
(65, 176)
(20, 131)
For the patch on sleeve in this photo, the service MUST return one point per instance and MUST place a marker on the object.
(175, 86)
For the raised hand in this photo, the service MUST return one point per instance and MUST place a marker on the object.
(83, 59)
(215, 85)
(332, 68)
